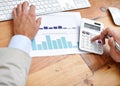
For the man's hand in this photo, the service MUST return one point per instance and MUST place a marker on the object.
(25, 22)
(115, 54)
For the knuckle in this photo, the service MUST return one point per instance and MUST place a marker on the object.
(32, 15)
(32, 6)
(102, 33)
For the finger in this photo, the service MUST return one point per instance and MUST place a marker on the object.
(32, 10)
(109, 31)
(14, 13)
(25, 7)
(95, 38)
(19, 9)
(111, 43)
(38, 21)
(106, 32)
(103, 36)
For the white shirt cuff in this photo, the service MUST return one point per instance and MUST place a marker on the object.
(21, 42)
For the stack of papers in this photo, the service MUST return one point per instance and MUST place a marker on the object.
(57, 35)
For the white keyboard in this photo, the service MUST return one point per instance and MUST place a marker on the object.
(42, 6)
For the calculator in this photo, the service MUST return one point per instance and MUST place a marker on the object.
(88, 29)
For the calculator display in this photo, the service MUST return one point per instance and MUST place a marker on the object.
(92, 26)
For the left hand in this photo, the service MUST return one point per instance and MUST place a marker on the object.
(25, 22)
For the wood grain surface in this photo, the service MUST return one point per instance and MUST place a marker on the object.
(74, 70)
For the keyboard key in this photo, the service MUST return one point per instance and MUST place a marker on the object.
(42, 6)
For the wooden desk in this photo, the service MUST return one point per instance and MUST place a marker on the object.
(72, 70)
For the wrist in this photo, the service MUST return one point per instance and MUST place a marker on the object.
(20, 42)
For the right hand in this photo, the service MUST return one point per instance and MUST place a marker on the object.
(115, 35)
(25, 22)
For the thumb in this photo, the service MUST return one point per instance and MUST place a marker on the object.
(111, 43)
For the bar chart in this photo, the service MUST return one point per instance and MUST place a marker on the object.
(49, 43)
(57, 35)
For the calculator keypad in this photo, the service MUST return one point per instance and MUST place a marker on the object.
(86, 44)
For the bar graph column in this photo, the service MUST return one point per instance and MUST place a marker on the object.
(48, 39)
(64, 42)
(44, 44)
(59, 43)
(39, 47)
(55, 45)
(69, 44)
(34, 47)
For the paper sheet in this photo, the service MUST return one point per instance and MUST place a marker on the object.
(57, 35)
